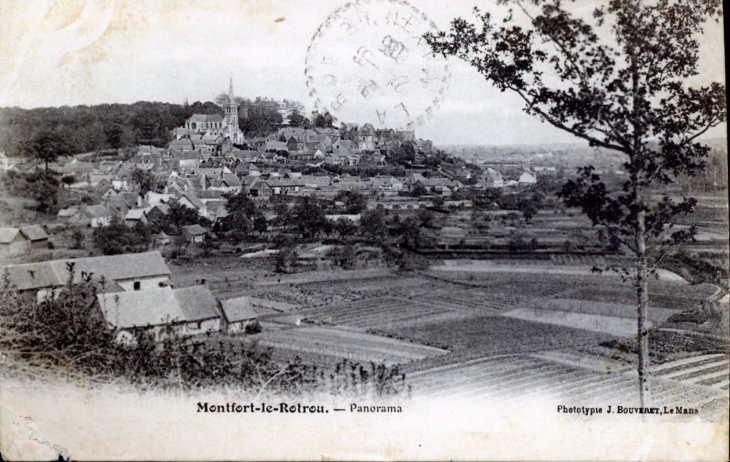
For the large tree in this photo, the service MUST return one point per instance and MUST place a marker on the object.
(619, 81)
(47, 146)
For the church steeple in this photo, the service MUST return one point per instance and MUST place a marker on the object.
(231, 115)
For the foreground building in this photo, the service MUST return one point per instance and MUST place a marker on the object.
(121, 273)
(15, 242)
(161, 312)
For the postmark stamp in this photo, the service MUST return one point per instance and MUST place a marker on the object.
(368, 62)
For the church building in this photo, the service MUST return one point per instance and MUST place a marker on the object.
(215, 126)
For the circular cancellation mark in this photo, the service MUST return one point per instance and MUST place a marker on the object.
(368, 62)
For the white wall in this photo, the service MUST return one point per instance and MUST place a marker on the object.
(148, 283)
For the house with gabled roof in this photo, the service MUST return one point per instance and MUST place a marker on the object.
(228, 182)
(160, 312)
(285, 185)
(257, 188)
(194, 234)
(35, 235)
(157, 213)
(188, 199)
(130, 272)
(135, 216)
(492, 178)
(12, 243)
(238, 313)
(528, 177)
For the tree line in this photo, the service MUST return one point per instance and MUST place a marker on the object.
(81, 129)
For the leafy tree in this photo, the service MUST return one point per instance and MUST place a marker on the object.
(145, 179)
(372, 223)
(343, 256)
(323, 120)
(68, 180)
(355, 201)
(529, 205)
(241, 217)
(425, 218)
(296, 119)
(78, 238)
(411, 232)
(627, 94)
(43, 188)
(118, 238)
(283, 214)
(404, 154)
(260, 225)
(179, 216)
(261, 119)
(309, 216)
(345, 227)
(47, 146)
(286, 259)
(419, 190)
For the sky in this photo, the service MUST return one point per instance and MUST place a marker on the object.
(70, 52)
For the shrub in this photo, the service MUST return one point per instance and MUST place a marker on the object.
(253, 328)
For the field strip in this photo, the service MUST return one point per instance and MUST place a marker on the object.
(722, 385)
(486, 267)
(562, 386)
(595, 390)
(696, 334)
(523, 381)
(707, 375)
(448, 378)
(574, 359)
(451, 387)
(472, 373)
(463, 364)
(372, 347)
(620, 327)
(682, 362)
(695, 368)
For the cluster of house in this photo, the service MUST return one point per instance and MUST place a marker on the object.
(135, 294)
(201, 182)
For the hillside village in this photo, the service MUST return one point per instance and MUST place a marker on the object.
(325, 242)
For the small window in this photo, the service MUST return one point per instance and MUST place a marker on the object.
(137, 285)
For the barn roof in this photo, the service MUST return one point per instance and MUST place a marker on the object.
(243, 309)
(8, 234)
(155, 307)
(34, 232)
(141, 308)
(33, 276)
(55, 273)
(196, 302)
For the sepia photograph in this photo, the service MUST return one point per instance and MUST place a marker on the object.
(363, 230)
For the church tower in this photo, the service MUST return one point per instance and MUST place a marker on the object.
(231, 115)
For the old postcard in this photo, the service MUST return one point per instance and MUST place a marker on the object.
(363, 230)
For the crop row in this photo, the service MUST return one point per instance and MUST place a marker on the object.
(471, 300)
(375, 313)
(346, 344)
(368, 284)
(514, 378)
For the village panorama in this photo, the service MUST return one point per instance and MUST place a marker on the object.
(254, 245)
